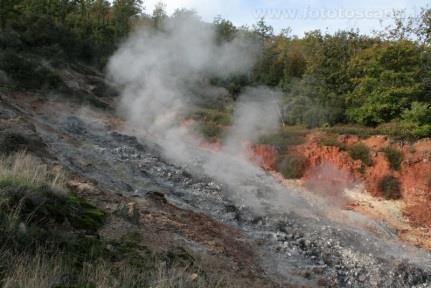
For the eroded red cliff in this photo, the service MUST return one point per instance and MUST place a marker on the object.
(332, 166)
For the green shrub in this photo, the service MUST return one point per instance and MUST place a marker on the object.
(211, 122)
(28, 73)
(394, 157)
(390, 188)
(416, 121)
(332, 141)
(291, 166)
(211, 115)
(286, 136)
(210, 130)
(360, 152)
(39, 204)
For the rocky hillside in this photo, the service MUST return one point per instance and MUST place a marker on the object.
(171, 227)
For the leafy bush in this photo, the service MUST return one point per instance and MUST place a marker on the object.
(360, 152)
(416, 121)
(27, 72)
(394, 157)
(389, 186)
(210, 130)
(291, 166)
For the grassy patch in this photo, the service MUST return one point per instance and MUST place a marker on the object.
(395, 130)
(331, 141)
(291, 166)
(211, 122)
(360, 152)
(210, 115)
(360, 131)
(284, 137)
(30, 192)
(394, 157)
(389, 186)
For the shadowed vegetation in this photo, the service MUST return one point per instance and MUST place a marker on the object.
(389, 186)
(292, 166)
(394, 157)
(360, 152)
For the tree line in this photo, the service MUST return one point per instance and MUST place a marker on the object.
(379, 80)
(82, 30)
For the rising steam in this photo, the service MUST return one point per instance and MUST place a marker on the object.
(164, 73)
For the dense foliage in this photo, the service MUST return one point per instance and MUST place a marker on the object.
(349, 79)
(59, 30)
(382, 81)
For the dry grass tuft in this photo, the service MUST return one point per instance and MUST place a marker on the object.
(28, 169)
(36, 251)
(41, 271)
(36, 271)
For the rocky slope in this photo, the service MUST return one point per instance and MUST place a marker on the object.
(173, 206)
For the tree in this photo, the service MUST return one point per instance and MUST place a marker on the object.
(225, 30)
(387, 79)
(263, 31)
(123, 12)
(159, 15)
(328, 57)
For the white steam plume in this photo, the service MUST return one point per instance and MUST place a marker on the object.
(256, 113)
(158, 69)
(160, 72)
